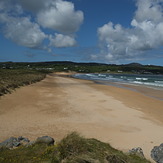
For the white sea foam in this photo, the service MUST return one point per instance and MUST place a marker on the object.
(141, 78)
(145, 80)
(159, 82)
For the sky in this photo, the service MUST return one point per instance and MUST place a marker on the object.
(104, 31)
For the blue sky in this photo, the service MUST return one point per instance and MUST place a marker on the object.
(106, 31)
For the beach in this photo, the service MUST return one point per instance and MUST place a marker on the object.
(60, 104)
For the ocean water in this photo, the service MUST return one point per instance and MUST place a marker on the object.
(151, 81)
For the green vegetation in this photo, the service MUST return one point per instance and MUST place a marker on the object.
(13, 74)
(71, 149)
(85, 67)
(12, 78)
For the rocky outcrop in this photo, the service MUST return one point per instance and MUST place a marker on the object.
(137, 151)
(14, 142)
(157, 153)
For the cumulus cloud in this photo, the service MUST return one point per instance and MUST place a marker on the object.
(61, 41)
(22, 31)
(55, 14)
(146, 33)
(25, 22)
(19, 29)
(60, 16)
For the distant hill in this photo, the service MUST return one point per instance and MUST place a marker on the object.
(134, 65)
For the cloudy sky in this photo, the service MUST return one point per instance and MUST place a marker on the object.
(108, 31)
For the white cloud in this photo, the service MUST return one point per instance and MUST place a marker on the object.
(149, 10)
(23, 32)
(146, 33)
(60, 16)
(61, 41)
(25, 22)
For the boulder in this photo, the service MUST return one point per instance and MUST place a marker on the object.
(46, 140)
(30, 143)
(20, 138)
(137, 151)
(13, 142)
(157, 153)
(10, 143)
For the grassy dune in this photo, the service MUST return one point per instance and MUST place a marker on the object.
(71, 149)
(11, 79)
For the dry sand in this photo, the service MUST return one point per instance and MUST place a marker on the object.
(59, 105)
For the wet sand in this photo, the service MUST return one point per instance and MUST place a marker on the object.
(148, 91)
(59, 105)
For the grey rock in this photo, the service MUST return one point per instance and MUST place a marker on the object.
(30, 143)
(137, 151)
(45, 139)
(157, 153)
(23, 140)
(20, 138)
(10, 143)
(14, 142)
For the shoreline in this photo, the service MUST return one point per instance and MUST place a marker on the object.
(145, 90)
(135, 91)
(59, 105)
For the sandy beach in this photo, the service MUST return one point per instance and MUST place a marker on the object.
(59, 105)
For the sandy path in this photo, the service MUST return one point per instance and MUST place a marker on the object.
(58, 105)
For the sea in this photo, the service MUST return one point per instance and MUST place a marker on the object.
(150, 81)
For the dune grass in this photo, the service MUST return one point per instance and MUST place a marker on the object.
(71, 149)
(12, 78)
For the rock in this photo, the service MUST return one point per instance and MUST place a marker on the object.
(157, 153)
(45, 139)
(23, 140)
(20, 138)
(10, 143)
(137, 151)
(30, 143)
(14, 142)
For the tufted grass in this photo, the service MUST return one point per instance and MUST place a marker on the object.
(12, 78)
(72, 149)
